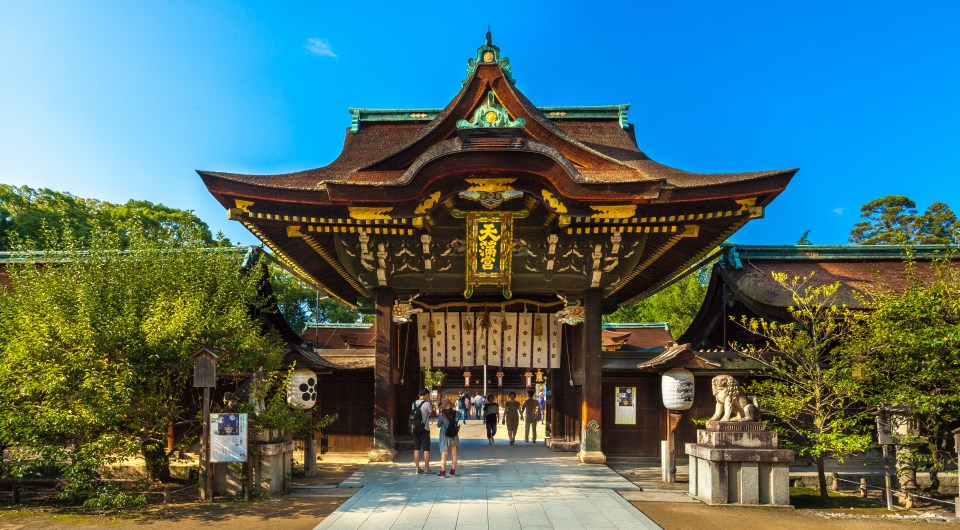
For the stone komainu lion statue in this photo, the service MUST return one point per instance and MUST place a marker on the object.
(731, 400)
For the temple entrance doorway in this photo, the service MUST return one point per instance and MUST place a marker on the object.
(501, 382)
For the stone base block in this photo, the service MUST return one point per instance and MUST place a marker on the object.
(381, 455)
(745, 483)
(564, 446)
(273, 466)
(736, 426)
(739, 475)
(592, 457)
(739, 454)
(742, 439)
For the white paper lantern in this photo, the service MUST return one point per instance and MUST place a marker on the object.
(302, 390)
(676, 386)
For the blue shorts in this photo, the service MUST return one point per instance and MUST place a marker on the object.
(422, 442)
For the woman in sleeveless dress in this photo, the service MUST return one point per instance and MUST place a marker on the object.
(447, 417)
(511, 416)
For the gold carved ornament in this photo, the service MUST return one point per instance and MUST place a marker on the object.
(489, 252)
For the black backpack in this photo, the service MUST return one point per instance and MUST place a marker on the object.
(415, 422)
(453, 428)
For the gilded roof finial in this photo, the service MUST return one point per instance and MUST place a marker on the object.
(489, 54)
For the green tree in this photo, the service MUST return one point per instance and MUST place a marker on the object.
(888, 220)
(36, 215)
(807, 385)
(302, 305)
(909, 352)
(96, 345)
(893, 220)
(676, 304)
(938, 225)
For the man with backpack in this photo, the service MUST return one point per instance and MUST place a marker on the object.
(419, 421)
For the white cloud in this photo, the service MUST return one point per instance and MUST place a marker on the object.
(320, 47)
(838, 210)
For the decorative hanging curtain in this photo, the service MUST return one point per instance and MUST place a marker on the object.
(497, 339)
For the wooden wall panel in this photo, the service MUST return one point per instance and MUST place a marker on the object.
(642, 439)
(350, 395)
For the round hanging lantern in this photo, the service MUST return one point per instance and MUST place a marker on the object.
(302, 389)
(676, 386)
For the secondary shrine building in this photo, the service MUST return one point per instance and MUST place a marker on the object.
(494, 233)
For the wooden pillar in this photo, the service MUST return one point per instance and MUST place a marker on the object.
(591, 346)
(558, 383)
(384, 397)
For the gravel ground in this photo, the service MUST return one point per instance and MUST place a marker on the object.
(702, 517)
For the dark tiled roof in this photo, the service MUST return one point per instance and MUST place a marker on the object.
(338, 337)
(380, 151)
(743, 283)
(640, 336)
(349, 359)
(677, 356)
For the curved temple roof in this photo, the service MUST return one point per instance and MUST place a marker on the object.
(579, 170)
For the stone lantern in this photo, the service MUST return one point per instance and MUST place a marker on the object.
(897, 426)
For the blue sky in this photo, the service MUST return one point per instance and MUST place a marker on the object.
(121, 100)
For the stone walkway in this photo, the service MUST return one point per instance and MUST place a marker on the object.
(500, 486)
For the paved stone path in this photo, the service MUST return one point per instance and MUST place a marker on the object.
(500, 486)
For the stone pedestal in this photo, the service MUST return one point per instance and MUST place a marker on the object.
(739, 463)
(273, 466)
(383, 444)
(590, 452)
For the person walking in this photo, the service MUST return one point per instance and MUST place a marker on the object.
(479, 403)
(420, 429)
(531, 415)
(449, 425)
(543, 407)
(491, 414)
(511, 416)
(461, 411)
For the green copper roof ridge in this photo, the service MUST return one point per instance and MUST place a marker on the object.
(736, 254)
(586, 112)
(636, 325)
(614, 107)
(338, 325)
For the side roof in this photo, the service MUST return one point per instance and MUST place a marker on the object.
(742, 282)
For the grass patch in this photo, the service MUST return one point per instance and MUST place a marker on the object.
(809, 498)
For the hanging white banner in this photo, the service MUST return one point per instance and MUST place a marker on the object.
(505, 340)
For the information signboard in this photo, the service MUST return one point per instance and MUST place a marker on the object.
(228, 437)
(626, 411)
